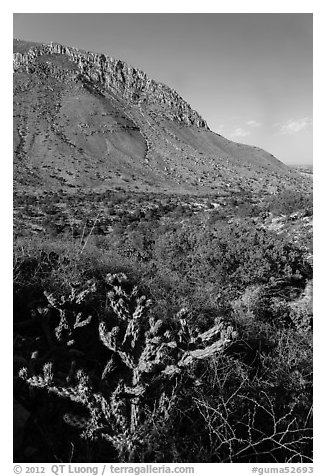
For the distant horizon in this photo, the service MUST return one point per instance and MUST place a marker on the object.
(252, 80)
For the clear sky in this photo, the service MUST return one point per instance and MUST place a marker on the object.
(248, 75)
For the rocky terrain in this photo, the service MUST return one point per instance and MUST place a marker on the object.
(162, 276)
(85, 120)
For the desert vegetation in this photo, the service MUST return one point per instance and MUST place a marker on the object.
(163, 328)
(162, 276)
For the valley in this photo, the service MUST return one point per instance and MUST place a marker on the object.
(162, 276)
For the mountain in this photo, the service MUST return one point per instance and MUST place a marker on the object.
(87, 121)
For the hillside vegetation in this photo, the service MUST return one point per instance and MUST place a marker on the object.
(180, 332)
(162, 276)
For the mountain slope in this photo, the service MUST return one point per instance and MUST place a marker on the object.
(85, 120)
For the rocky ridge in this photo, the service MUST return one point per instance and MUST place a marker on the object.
(131, 83)
(86, 121)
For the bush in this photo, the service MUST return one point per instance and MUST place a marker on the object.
(289, 202)
(249, 401)
(136, 382)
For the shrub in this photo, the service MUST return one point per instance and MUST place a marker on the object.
(289, 202)
(137, 382)
(248, 401)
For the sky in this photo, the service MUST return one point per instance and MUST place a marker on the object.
(249, 75)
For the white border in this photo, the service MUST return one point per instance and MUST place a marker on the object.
(59, 6)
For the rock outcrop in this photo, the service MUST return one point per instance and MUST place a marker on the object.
(85, 120)
(131, 83)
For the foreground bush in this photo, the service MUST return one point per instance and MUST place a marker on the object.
(140, 381)
(135, 389)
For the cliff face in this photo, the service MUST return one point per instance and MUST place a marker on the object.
(86, 120)
(117, 76)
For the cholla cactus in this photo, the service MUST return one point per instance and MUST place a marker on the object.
(70, 310)
(140, 380)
